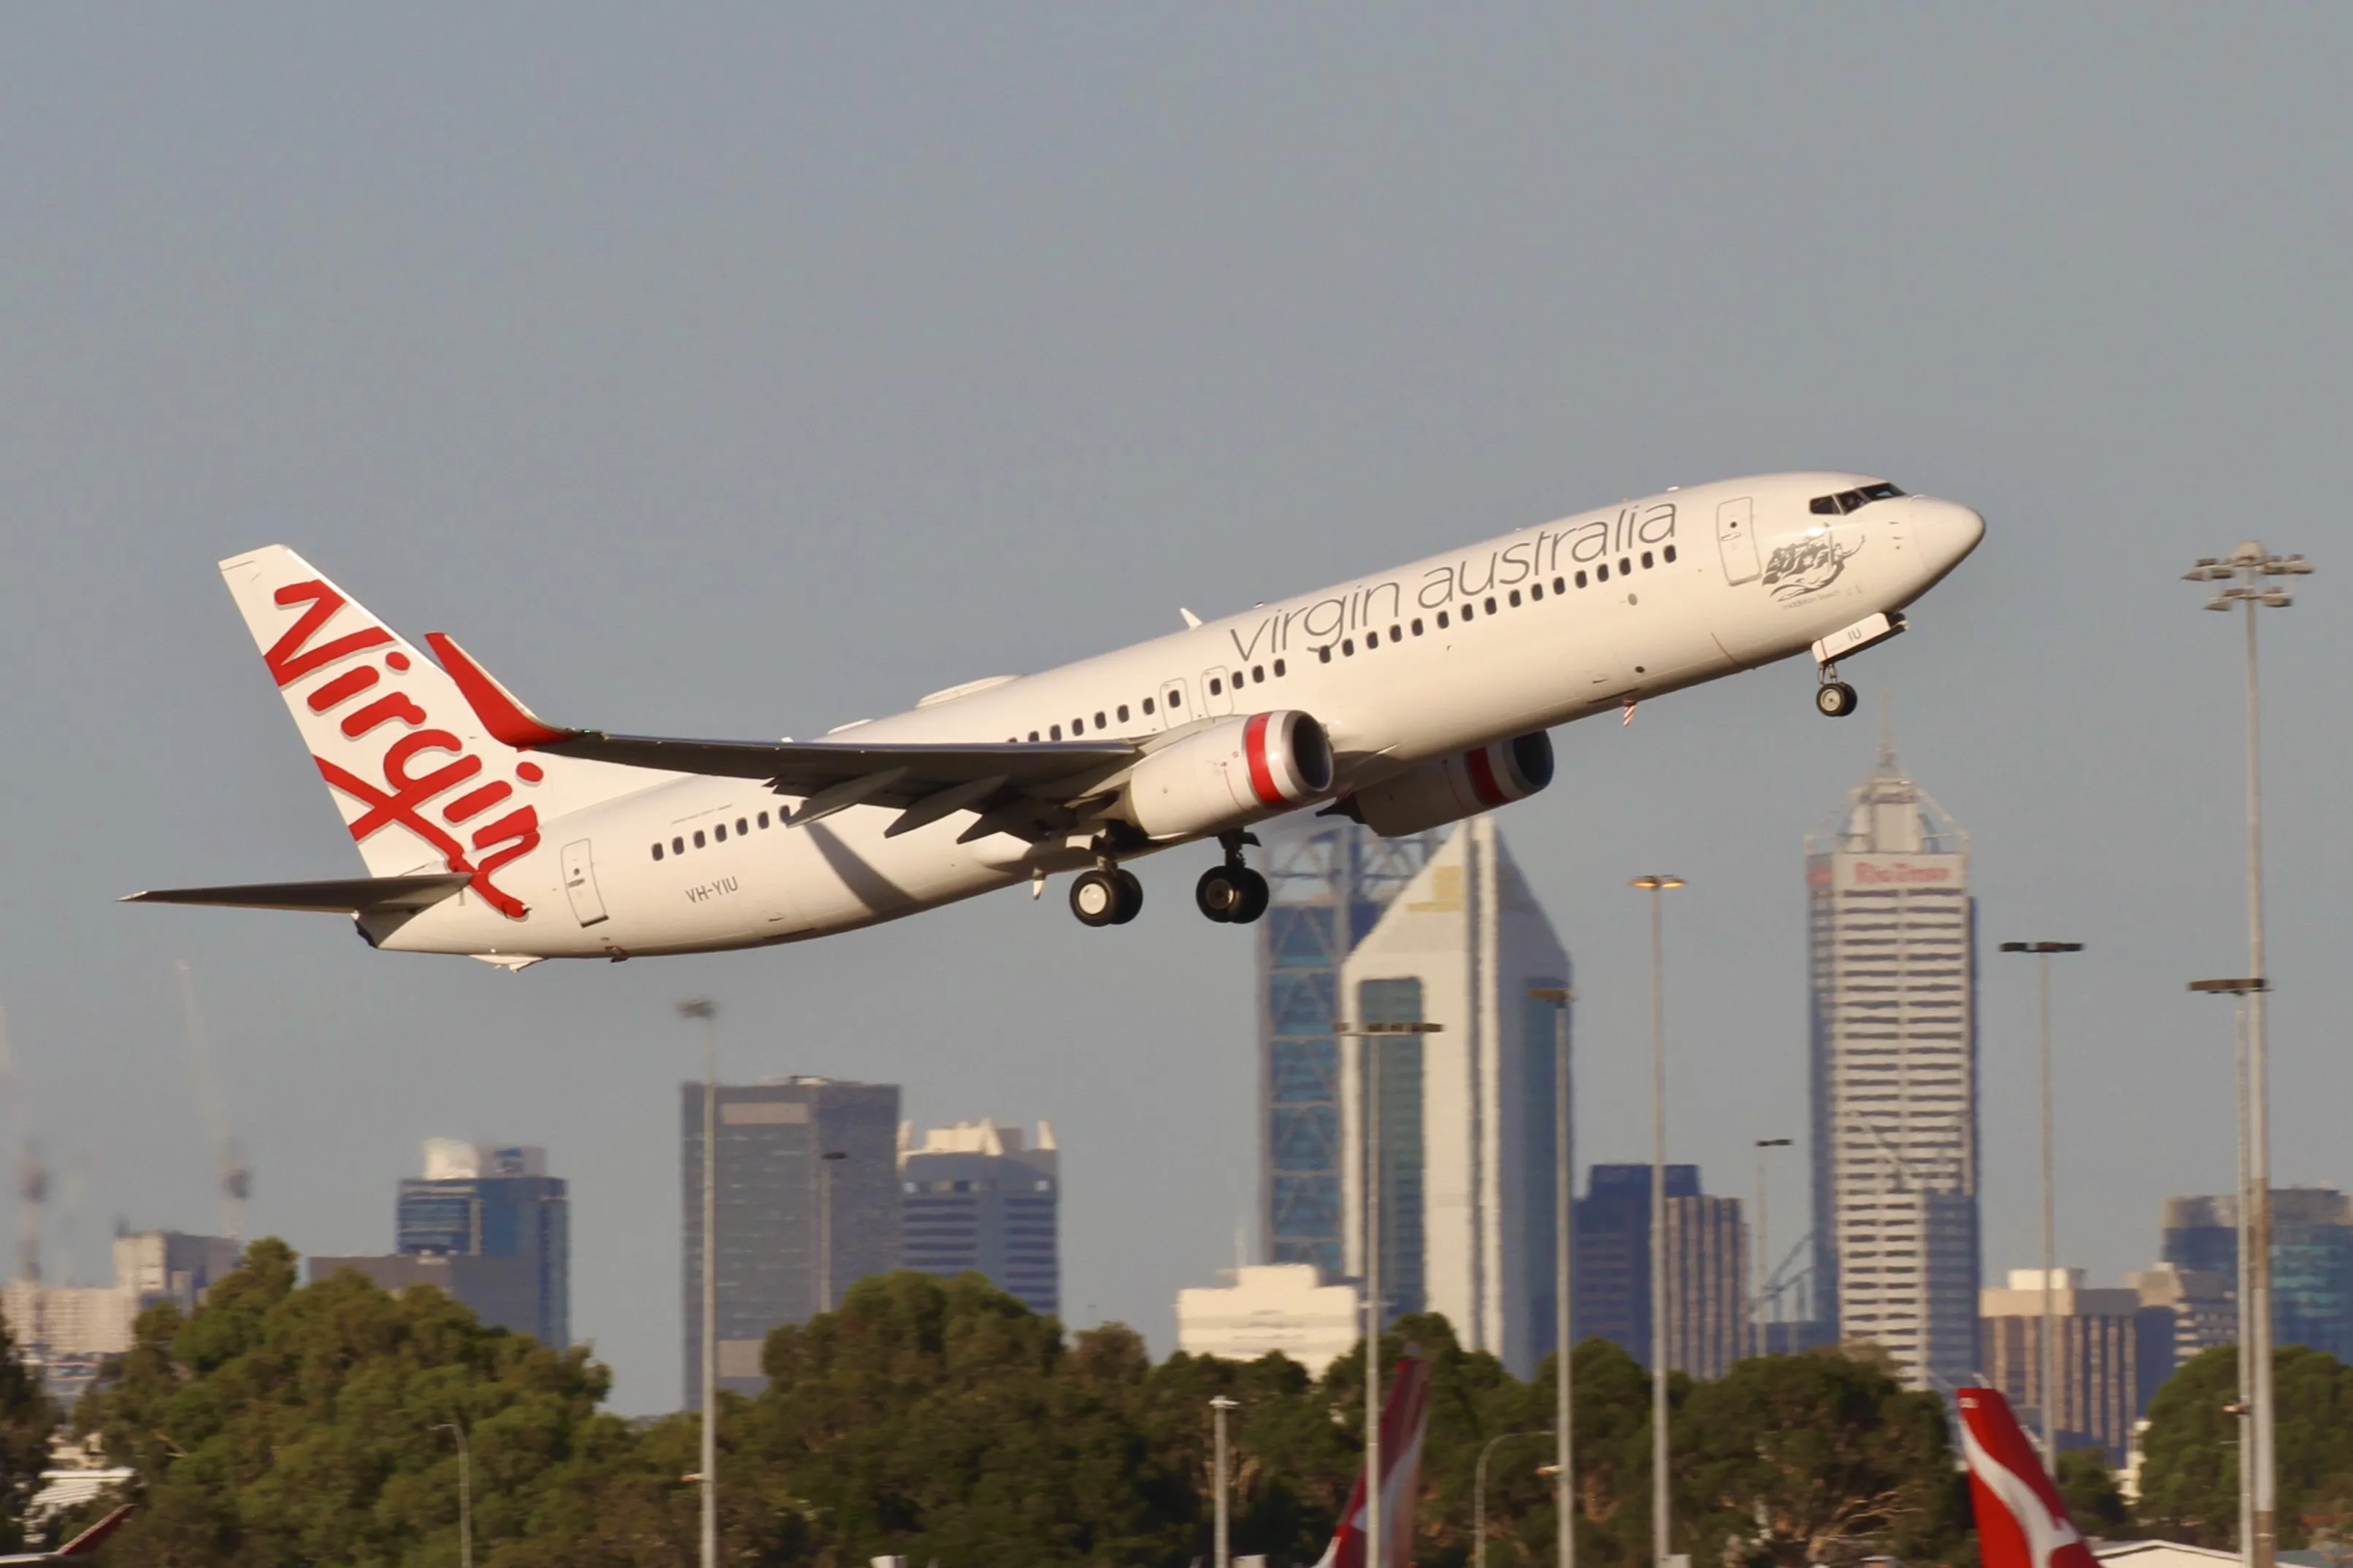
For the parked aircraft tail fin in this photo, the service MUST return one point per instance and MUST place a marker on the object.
(1405, 1419)
(2022, 1523)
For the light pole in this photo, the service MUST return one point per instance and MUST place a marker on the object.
(1220, 1404)
(708, 1013)
(1479, 1496)
(1658, 886)
(1564, 1247)
(2242, 570)
(465, 1493)
(1376, 1314)
(2241, 988)
(1764, 1249)
(2048, 1362)
(825, 1164)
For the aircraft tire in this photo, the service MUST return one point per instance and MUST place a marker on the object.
(1256, 895)
(1834, 700)
(1095, 897)
(1219, 893)
(1131, 897)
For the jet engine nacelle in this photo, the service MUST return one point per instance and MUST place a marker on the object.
(1232, 772)
(1448, 789)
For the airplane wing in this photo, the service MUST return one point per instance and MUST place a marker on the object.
(351, 896)
(86, 1544)
(1004, 782)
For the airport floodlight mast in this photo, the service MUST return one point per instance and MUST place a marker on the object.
(1218, 1407)
(2240, 988)
(1376, 1309)
(707, 1012)
(1658, 886)
(1564, 1249)
(2048, 1360)
(2242, 574)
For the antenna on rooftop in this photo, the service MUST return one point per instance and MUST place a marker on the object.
(228, 1156)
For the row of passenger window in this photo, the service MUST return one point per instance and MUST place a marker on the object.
(718, 831)
(1348, 645)
(1470, 609)
(1175, 704)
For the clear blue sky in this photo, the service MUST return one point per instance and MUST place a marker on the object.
(746, 371)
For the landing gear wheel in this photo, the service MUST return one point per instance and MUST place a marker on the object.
(1255, 898)
(1221, 891)
(1131, 897)
(1097, 896)
(1834, 700)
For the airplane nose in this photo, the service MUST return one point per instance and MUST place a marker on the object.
(1949, 531)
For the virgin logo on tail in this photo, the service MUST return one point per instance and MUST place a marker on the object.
(1404, 1422)
(411, 779)
(2022, 1523)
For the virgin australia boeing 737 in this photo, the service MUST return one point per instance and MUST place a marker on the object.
(1403, 700)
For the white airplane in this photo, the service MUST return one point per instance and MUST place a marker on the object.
(1404, 700)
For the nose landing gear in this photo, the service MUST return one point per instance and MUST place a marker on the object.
(1232, 894)
(1834, 699)
(1107, 896)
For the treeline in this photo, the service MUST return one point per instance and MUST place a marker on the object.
(282, 1425)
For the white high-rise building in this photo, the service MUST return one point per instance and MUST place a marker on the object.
(1271, 1307)
(1466, 1114)
(1894, 1069)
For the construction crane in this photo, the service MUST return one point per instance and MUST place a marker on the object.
(235, 1178)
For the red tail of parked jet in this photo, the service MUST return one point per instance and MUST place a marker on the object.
(2022, 1523)
(1403, 1424)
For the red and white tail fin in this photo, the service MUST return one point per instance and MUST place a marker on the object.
(2022, 1523)
(1405, 1420)
(420, 784)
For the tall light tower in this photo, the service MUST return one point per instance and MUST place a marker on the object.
(1564, 1246)
(707, 1012)
(1658, 886)
(2243, 572)
(2048, 1362)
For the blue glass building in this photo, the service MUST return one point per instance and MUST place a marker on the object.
(1331, 881)
(2312, 1259)
(491, 1202)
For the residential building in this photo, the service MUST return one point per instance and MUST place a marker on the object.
(1892, 930)
(1330, 881)
(1707, 1269)
(2111, 1353)
(975, 1200)
(1271, 1307)
(490, 1201)
(2203, 1307)
(809, 1204)
(1465, 1114)
(2312, 1259)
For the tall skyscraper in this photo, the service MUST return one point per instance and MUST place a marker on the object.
(1707, 1269)
(2312, 1259)
(477, 1200)
(976, 1199)
(1893, 1077)
(1331, 880)
(1465, 1151)
(2204, 1307)
(2111, 1351)
(796, 1227)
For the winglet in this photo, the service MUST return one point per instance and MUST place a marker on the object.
(508, 721)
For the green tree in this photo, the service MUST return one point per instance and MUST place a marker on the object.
(278, 1426)
(1794, 1459)
(27, 1420)
(2189, 1470)
(2087, 1485)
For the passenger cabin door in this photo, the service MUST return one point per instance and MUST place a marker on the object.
(1217, 696)
(1173, 710)
(580, 884)
(1736, 540)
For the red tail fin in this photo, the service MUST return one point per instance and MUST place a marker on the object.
(2022, 1523)
(1404, 1421)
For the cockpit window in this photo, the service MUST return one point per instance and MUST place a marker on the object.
(1851, 501)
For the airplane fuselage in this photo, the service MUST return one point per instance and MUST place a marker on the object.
(1516, 635)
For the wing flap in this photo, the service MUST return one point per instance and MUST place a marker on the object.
(347, 895)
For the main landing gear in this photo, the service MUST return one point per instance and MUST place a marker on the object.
(1834, 699)
(1232, 894)
(1107, 896)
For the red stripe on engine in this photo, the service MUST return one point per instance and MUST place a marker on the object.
(1483, 777)
(1254, 752)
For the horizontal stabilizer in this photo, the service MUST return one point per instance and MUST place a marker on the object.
(349, 896)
